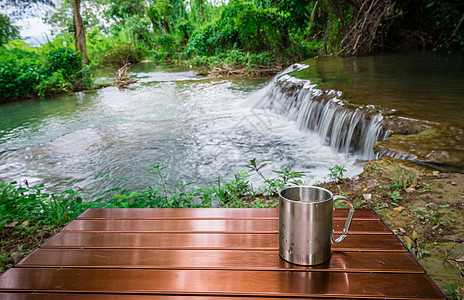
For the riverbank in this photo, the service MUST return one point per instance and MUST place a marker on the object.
(423, 207)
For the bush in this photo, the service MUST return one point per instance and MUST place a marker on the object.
(53, 85)
(122, 54)
(234, 59)
(242, 26)
(65, 60)
(24, 74)
(64, 72)
(18, 80)
(166, 43)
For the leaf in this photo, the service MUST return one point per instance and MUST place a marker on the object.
(460, 258)
(407, 240)
(133, 194)
(446, 258)
(12, 224)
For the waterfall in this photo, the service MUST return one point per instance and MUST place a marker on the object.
(345, 127)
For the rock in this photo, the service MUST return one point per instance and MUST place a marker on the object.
(438, 147)
(367, 197)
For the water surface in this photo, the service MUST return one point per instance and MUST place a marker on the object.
(200, 128)
(416, 85)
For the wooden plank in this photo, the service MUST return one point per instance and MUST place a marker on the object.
(399, 262)
(256, 241)
(211, 226)
(205, 213)
(216, 283)
(60, 296)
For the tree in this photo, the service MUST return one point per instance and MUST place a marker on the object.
(62, 18)
(17, 8)
(121, 9)
(79, 30)
(8, 31)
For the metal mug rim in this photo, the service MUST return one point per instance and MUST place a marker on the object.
(306, 186)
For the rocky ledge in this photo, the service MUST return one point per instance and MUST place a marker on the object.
(429, 144)
(436, 147)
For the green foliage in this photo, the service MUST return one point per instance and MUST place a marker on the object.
(233, 59)
(233, 190)
(433, 24)
(8, 31)
(337, 172)
(166, 14)
(121, 9)
(430, 215)
(26, 72)
(64, 60)
(394, 195)
(37, 207)
(18, 79)
(290, 177)
(166, 43)
(19, 204)
(256, 165)
(63, 71)
(455, 265)
(135, 30)
(453, 292)
(54, 84)
(242, 25)
(401, 177)
(285, 177)
(122, 54)
(34, 205)
(98, 43)
(298, 11)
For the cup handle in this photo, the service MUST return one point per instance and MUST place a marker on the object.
(348, 218)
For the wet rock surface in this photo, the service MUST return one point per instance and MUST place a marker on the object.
(423, 142)
(436, 147)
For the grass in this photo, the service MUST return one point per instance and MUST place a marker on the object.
(401, 178)
(28, 215)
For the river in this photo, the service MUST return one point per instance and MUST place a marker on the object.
(424, 86)
(200, 128)
(203, 129)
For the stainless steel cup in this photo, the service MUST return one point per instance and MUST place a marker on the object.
(306, 224)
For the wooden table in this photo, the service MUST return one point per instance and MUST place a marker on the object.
(212, 254)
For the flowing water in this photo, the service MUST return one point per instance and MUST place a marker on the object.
(204, 128)
(345, 129)
(200, 128)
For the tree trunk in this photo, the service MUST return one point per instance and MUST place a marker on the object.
(79, 30)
